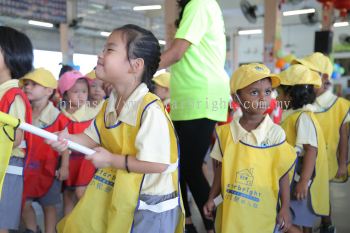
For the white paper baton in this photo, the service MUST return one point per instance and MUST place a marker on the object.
(50, 136)
(12, 121)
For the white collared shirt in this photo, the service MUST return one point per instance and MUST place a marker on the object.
(305, 128)
(152, 140)
(325, 101)
(266, 134)
(47, 116)
(84, 113)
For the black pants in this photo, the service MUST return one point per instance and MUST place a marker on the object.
(194, 137)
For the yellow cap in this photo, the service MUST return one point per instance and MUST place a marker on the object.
(162, 80)
(91, 74)
(41, 76)
(317, 62)
(300, 75)
(248, 74)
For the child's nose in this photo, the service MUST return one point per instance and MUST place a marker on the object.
(261, 96)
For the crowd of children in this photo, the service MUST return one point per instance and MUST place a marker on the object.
(274, 175)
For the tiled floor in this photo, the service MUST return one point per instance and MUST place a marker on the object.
(340, 194)
(340, 198)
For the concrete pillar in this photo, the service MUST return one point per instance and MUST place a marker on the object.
(327, 16)
(67, 33)
(272, 32)
(234, 41)
(170, 15)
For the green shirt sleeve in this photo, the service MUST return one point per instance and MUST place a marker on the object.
(194, 22)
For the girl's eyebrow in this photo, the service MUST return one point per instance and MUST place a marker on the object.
(111, 44)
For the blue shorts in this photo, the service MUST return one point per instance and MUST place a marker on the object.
(52, 197)
(302, 212)
(11, 198)
(146, 221)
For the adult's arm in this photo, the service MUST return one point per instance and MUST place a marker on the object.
(174, 53)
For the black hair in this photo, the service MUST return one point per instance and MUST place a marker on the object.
(17, 50)
(181, 4)
(64, 69)
(300, 95)
(141, 43)
(53, 94)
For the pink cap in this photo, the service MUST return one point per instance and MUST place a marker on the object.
(68, 79)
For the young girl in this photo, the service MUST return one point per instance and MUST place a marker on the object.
(74, 89)
(253, 160)
(332, 112)
(135, 188)
(16, 59)
(310, 190)
(162, 88)
(97, 93)
(41, 183)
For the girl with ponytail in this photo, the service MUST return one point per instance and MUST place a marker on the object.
(136, 157)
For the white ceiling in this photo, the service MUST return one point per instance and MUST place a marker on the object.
(105, 15)
(108, 14)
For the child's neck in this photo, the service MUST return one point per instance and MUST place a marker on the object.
(123, 93)
(38, 106)
(4, 77)
(251, 121)
(71, 109)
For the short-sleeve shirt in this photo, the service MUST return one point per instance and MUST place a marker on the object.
(305, 128)
(84, 113)
(325, 101)
(150, 149)
(199, 85)
(47, 116)
(266, 134)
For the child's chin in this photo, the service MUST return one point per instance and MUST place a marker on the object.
(260, 111)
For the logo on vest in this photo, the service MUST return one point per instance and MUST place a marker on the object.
(242, 190)
(245, 177)
(103, 180)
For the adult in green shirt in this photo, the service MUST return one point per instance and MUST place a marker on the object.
(199, 92)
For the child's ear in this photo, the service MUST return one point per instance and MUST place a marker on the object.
(234, 97)
(137, 65)
(49, 91)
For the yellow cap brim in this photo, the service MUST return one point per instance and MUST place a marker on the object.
(275, 81)
(306, 63)
(312, 79)
(40, 82)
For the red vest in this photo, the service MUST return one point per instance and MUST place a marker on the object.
(40, 172)
(5, 103)
(81, 171)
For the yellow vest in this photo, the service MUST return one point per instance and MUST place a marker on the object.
(335, 115)
(112, 197)
(250, 184)
(320, 186)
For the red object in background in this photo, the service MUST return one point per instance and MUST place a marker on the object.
(167, 108)
(343, 6)
(324, 1)
(275, 111)
(232, 108)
